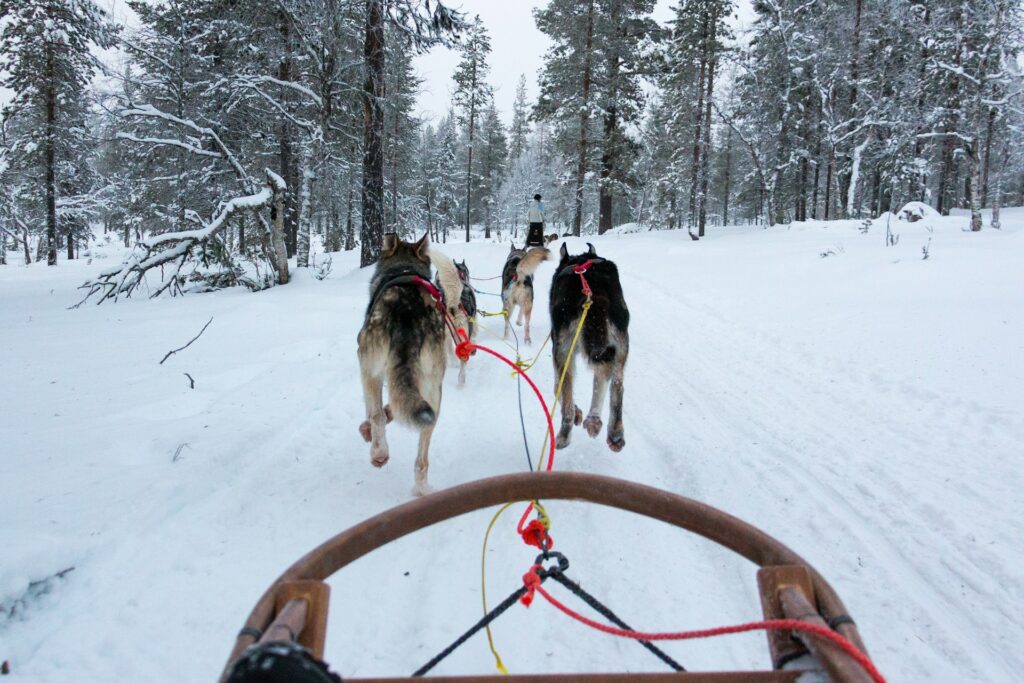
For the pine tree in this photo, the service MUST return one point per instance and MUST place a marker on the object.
(471, 95)
(520, 120)
(566, 83)
(622, 28)
(493, 159)
(419, 25)
(47, 61)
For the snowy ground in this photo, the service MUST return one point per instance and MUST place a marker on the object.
(863, 407)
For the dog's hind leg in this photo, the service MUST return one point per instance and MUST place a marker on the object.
(525, 311)
(462, 373)
(507, 308)
(431, 380)
(422, 487)
(616, 436)
(571, 415)
(592, 424)
(377, 416)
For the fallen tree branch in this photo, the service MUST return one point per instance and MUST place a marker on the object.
(175, 248)
(171, 353)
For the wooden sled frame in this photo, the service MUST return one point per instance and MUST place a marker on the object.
(295, 606)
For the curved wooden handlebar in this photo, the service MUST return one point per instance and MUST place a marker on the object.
(685, 513)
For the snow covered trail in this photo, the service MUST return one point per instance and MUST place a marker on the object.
(864, 408)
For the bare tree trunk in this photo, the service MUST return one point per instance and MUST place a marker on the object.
(610, 150)
(727, 181)
(372, 232)
(705, 165)
(277, 236)
(350, 233)
(997, 196)
(828, 182)
(988, 156)
(305, 207)
(51, 152)
(24, 241)
(698, 125)
(581, 167)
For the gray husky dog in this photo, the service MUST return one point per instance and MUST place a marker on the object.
(402, 342)
(604, 341)
(517, 284)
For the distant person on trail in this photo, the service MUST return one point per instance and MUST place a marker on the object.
(535, 217)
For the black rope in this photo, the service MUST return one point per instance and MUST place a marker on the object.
(577, 590)
(487, 619)
(556, 572)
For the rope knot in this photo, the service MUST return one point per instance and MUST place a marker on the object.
(531, 580)
(536, 534)
(581, 270)
(464, 349)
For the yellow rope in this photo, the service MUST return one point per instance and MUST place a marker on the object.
(542, 514)
(561, 380)
(483, 587)
(524, 366)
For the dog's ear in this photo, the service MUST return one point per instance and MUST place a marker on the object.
(422, 247)
(390, 244)
(564, 252)
(512, 247)
(592, 251)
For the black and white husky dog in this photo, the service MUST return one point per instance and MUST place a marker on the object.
(517, 284)
(402, 343)
(604, 341)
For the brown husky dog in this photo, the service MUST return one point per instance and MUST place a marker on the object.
(517, 284)
(402, 342)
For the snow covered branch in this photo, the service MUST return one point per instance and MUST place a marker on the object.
(174, 249)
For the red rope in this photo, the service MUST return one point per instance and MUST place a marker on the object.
(466, 346)
(769, 625)
(581, 270)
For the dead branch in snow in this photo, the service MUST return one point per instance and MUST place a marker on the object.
(174, 248)
(171, 353)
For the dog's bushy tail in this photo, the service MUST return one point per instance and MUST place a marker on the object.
(448, 276)
(528, 264)
(407, 402)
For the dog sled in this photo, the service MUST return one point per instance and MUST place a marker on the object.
(808, 628)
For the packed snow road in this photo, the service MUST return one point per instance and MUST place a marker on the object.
(863, 407)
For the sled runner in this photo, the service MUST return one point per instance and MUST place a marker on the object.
(806, 623)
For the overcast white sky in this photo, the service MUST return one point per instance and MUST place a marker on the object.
(517, 47)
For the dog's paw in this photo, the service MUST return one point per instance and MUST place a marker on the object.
(420, 490)
(563, 440)
(364, 431)
(527, 341)
(379, 458)
(616, 441)
(388, 415)
(578, 419)
(593, 425)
